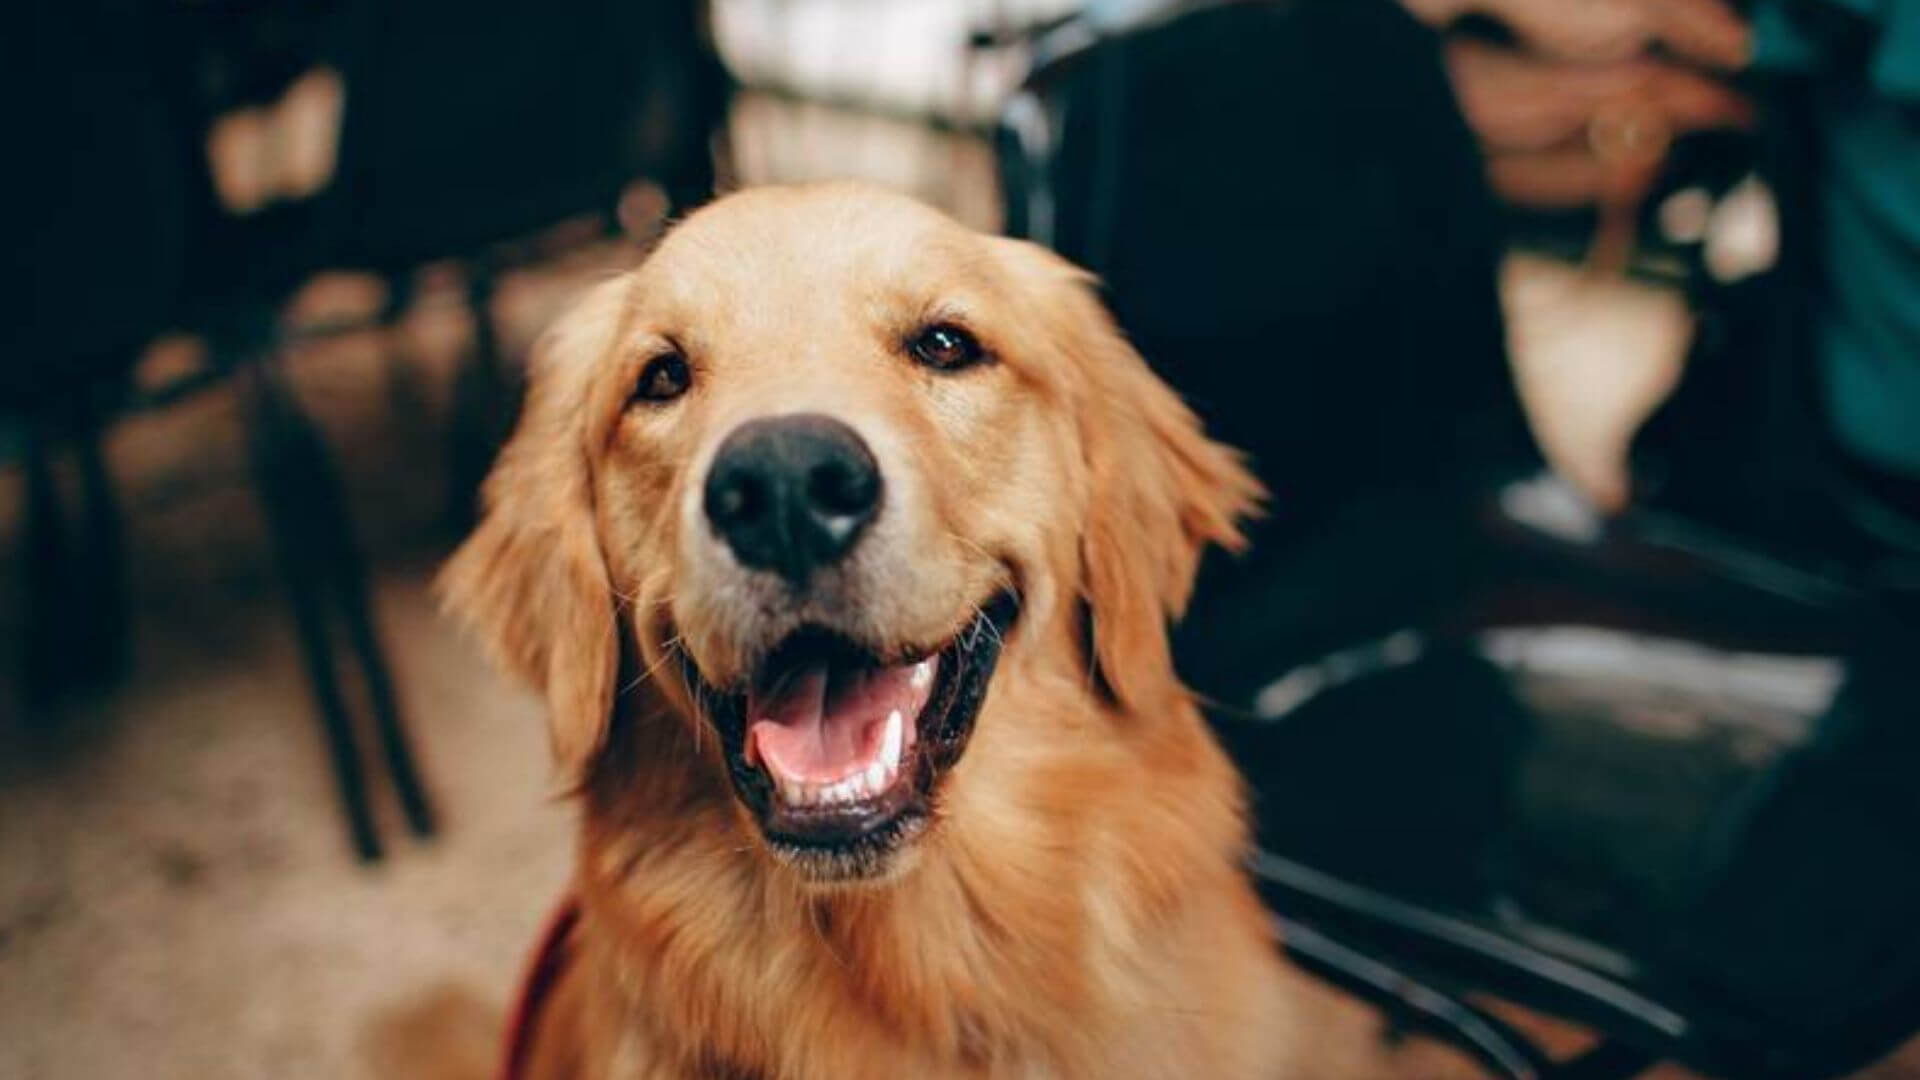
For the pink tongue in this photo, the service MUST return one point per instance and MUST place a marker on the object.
(819, 725)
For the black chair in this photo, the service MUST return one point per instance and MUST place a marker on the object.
(1424, 811)
(1291, 222)
(466, 128)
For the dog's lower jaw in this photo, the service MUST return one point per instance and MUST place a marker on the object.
(842, 871)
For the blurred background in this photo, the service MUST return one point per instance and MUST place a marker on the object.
(1578, 340)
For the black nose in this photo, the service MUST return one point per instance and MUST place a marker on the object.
(792, 494)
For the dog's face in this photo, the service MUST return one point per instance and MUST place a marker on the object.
(821, 468)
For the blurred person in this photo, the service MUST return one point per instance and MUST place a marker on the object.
(1808, 883)
(1857, 70)
(1534, 100)
(1542, 102)
(1576, 105)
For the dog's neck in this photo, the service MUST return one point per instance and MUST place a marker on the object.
(1026, 909)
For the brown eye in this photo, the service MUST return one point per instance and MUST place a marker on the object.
(944, 347)
(665, 378)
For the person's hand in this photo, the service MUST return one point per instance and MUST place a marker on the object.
(1558, 114)
(1705, 33)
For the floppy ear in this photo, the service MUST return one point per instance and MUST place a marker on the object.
(531, 581)
(1158, 490)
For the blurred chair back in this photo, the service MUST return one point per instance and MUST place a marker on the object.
(468, 123)
(108, 193)
(1242, 180)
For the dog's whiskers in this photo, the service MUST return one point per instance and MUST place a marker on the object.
(985, 625)
(980, 613)
(696, 696)
(667, 649)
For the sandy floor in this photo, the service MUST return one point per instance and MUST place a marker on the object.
(177, 898)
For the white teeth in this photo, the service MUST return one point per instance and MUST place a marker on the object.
(891, 739)
(922, 674)
(865, 784)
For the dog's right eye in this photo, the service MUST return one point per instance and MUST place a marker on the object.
(664, 378)
(945, 347)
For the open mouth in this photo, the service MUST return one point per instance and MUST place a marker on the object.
(838, 748)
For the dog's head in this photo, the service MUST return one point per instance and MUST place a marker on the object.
(819, 478)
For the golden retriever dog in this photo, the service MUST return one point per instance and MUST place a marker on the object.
(841, 541)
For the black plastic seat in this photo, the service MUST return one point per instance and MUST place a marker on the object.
(1638, 862)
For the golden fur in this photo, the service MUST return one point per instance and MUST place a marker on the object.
(1077, 909)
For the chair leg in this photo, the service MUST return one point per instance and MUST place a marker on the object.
(351, 580)
(1409, 1004)
(105, 568)
(47, 656)
(295, 488)
(316, 652)
(75, 595)
(406, 390)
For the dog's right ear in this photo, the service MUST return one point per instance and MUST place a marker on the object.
(531, 582)
(1159, 490)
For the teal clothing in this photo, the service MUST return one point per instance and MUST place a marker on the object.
(1867, 120)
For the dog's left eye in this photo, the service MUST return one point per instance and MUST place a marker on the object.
(665, 378)
(945, 347)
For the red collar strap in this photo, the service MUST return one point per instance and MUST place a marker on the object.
(549, 961)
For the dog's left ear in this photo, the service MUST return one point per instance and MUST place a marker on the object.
(531, 581)
(1158, 489)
